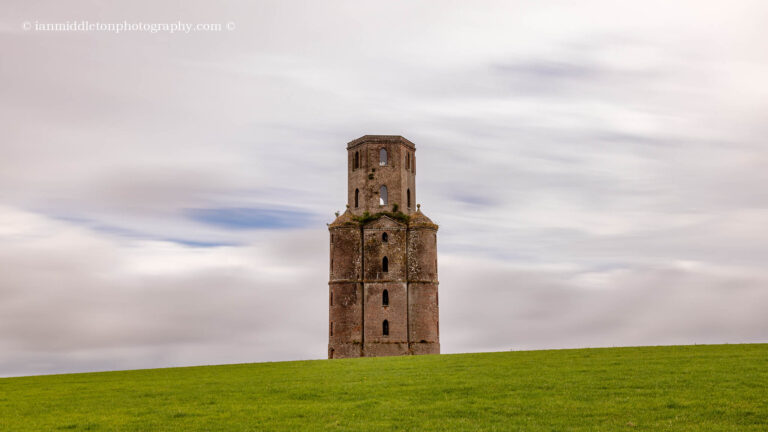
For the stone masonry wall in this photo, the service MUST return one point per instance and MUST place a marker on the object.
(345, 294)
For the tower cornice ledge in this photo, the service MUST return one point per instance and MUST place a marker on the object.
(381, 139)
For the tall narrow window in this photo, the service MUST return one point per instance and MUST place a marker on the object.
(385, 328)
(407, 161)
(384, 238)
(383, 200)
(382, 157)
(385, 265)
(357, 160)
(331, 298)
(357, 198)
(408, 193)
(331, 330)
(385, 298)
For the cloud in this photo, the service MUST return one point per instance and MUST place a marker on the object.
(597, 174)
(514, 307)
(75, 290)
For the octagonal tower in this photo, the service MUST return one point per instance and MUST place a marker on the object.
(383, 271)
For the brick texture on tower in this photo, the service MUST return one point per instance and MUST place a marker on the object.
(383, 263)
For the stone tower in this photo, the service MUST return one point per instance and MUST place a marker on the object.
(383, 270)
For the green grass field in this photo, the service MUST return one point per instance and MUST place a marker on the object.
(706, 388)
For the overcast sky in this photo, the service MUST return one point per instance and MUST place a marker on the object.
(598, 171)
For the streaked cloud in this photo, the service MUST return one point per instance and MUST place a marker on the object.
(597, 171)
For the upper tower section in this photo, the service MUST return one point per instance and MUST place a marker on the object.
(381, 174)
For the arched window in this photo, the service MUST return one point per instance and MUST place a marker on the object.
(383, 200)
(385, 298)
(330, 353)
(409, 198)
(382, 157)
(357, 198)
(385, 265)
(357, 160)
(384, 238)
(385, 328)
(407, 161)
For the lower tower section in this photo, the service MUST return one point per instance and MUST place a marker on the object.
(383, 288)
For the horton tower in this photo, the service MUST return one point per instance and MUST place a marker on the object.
(383, 265)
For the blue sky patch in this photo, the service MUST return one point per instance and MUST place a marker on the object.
(200, 244)
(246, 218)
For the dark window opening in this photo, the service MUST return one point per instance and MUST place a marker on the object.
(330, 356)
(357, 198)
(385, 298)
(408, 193)
(385, 265)
(384, 238)
(385, 328)
(357, 160)
(407, 161)
(331, 298)
(331, 330)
